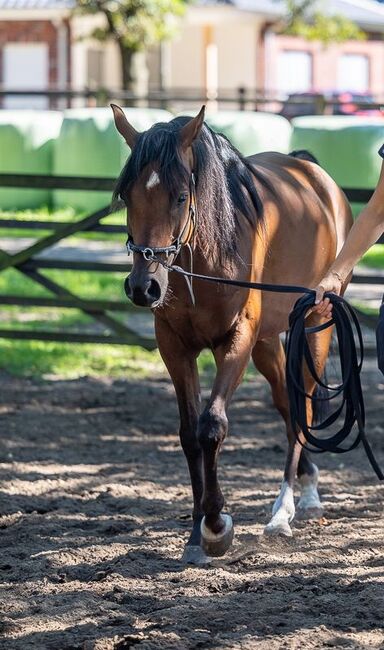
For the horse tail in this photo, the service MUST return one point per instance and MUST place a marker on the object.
(303, 154)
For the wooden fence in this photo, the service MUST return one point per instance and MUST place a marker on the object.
(29, 262)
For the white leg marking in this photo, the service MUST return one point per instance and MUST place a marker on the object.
(283, 512)
(309, 505)
(153, 180)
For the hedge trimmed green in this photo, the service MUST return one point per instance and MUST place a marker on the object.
(89, 145)
(26, 147)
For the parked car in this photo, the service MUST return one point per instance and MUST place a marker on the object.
(335, 103)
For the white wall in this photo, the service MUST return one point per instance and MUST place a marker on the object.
(233, 33)
(236, 46)
(82, 26)
(184, 56)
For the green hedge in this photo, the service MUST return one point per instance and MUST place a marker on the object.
(26, 147)
(89, 145)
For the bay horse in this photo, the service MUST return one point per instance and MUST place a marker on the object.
(270, 218)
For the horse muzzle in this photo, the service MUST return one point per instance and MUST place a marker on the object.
(144, 293)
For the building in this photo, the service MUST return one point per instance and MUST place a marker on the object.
(35, 52)
(220, 47)
(231, 44)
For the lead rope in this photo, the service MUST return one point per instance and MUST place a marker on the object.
(352, 402)
(189, 280)
(347, 326)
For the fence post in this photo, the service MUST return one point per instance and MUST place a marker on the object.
(320, 104)
(241, 97)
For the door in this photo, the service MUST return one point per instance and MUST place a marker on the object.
(25, 66)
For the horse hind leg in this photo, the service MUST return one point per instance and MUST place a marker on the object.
(309, 505)
(269, 358)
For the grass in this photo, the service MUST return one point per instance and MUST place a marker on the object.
(374, 258)
(64, 215)
(42, 359)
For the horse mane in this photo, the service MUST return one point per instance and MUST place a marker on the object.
(224, 182)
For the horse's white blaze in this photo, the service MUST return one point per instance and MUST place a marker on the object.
(153, 180)
(283, 512)
(309, 496)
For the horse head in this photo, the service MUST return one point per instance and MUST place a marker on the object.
(157, 186)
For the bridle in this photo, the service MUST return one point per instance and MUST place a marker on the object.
(184, 238)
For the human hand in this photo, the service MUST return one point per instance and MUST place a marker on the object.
(331, 283)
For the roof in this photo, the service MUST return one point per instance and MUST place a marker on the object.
(368, 14)
(36, 4)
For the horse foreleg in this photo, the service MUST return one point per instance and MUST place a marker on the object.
(182, 367)
(231, 360)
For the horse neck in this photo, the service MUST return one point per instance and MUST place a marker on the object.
(206, 264)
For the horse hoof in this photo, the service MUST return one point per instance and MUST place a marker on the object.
(195, 555)
(216, 545)
(278, 529)
(305, 514)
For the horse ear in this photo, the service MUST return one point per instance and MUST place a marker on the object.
(191, 130)
(126, 129)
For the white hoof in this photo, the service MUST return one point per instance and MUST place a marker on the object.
(278, 528)
(306, 514)
(309, 505)
(283, 512)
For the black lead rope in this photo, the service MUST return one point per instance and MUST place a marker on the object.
(350, 392)
(298, 351)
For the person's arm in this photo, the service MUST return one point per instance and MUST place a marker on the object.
(365, 232)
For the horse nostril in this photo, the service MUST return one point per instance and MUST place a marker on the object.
(154, 290)
(144, 294)
(127, 288)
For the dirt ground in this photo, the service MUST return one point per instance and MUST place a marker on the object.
(95, 509)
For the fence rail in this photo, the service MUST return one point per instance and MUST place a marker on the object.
(243, 98)
(29, 262)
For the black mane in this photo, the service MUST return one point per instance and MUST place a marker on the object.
(224, 181)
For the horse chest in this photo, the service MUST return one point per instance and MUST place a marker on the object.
(201, 328)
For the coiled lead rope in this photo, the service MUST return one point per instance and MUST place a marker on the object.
(349, 390)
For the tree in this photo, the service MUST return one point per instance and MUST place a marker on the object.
(134, 25)
(305, 18)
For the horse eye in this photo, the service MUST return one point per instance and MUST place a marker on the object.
(182, 198)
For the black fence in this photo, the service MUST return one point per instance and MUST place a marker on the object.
(29, 262)
(241, 98)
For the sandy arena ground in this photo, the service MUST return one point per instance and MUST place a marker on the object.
(95, 508)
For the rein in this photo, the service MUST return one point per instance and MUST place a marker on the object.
(298, 351)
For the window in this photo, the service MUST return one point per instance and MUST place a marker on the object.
(294, 71)
(25, 67)
(353, 73)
